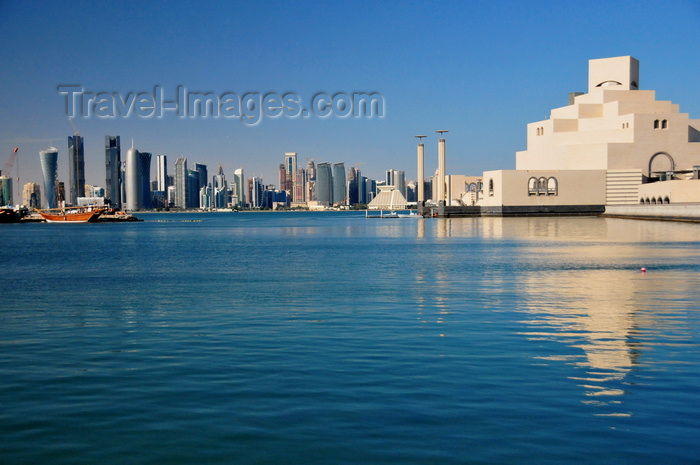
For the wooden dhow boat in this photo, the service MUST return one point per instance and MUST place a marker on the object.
(71, 214)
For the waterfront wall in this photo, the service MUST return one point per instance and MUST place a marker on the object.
(686, 212)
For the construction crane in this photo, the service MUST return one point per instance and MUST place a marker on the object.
(11, 161)
(75, 130)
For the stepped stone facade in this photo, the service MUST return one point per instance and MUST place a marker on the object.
(615, 145)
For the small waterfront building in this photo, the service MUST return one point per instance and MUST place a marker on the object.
(388, 198)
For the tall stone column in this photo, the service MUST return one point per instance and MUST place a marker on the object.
(441, 194)
(421, 173)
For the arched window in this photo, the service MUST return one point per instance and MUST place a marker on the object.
(667, 200)
(641, 201)
(664, 124)
(491, 187)
(552, 186)
(532, 186)
(656, 124)
(472, 187)
(542, 186)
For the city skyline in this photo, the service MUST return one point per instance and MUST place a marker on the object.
(428, 62)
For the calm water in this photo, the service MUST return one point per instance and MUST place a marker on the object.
(328, 338)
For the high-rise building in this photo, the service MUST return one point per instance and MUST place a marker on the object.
(76, 168)
(181, 182)
(171, 196)
(239, 188)
(132, 179)
(310, 187)
(324, 184)
(202, 174)
(370, 189)
(282, 173)
(256, 189)
(339, 185)
(31, 195)
(192, 200)
(5, 191)
(353, 191)
(290, 166)
(205, 197)
(145, 178)
(220, 189)
(162, 173)
(300, 186)
(49, 168)
(113, 171)
(400, 181)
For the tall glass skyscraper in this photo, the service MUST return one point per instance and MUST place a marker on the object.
(339, 189)
(113, 171)
(239, 187)
(132, 179)
(145, 179)
(162, 173)
(49, 168)
(181, 182)
(290, 166)
(76, 168)
(5, 191)
(202, 174)
(324, 184)
(219, 189)
(192, 200)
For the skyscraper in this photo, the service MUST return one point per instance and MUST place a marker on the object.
(49, 168)
(282, 172)
(339, 187)
(134, 186)
(31, 195)
(145, 178)
(324, 184)
(400, 181)
(202, 174)
(113, 171)
(192, 198)
(5, 191)
(299, 186)
(181, 182)
(290, 166)
(256, 192)
(162, 173)
(353, 191)
(239, 187)
(76, 168)
(310, 187)
(219, 189)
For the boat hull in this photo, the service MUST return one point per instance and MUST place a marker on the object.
(71, 216)
(10, 215)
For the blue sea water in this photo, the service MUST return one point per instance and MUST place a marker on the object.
(328, 338)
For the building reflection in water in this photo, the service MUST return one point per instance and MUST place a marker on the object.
(579, 282)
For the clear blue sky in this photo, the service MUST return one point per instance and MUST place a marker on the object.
(482, 70)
